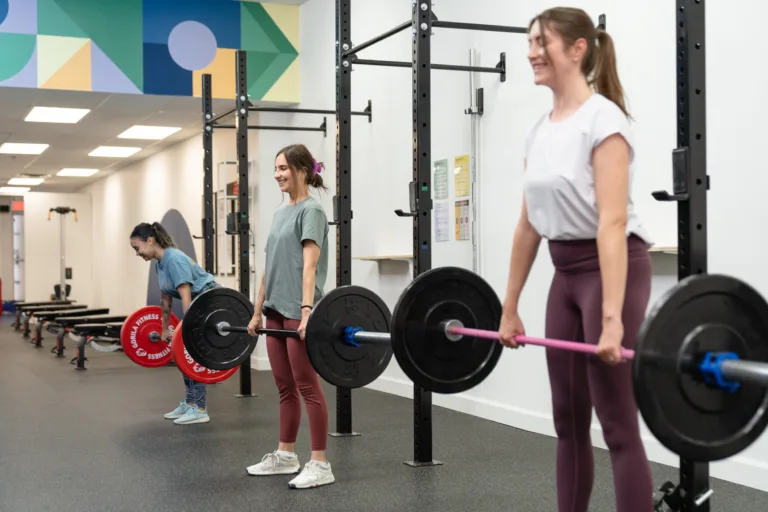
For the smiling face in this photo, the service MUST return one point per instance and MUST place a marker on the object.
(145, 249)
(286, 178)
(552, 60)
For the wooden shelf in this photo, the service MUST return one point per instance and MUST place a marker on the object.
(397, 257)
(668, 249)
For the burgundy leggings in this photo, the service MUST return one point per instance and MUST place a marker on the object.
(294, 374)
(580, 381)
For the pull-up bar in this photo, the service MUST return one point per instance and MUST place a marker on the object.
(322, 128)
(368, 112)
(500, 69)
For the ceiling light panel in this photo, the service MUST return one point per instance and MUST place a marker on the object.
(114, 151)
(148, 132)
(56, 115)
(71, 172)
(22, 148)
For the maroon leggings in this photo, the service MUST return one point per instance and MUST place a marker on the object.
(580, 381)
(294, 374)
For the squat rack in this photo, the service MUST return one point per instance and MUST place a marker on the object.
(242, 220)
(690, 185)
(422, 21)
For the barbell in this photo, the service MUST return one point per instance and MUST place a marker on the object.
(699, 368)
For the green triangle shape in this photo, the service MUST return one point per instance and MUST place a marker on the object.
(52, 20)
(116, 26)
(252, 36)
(267, 69)
(15, 52)
(254, 14)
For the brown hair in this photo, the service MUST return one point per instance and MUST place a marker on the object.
(599, 64)
(300, 159)
(156, 231)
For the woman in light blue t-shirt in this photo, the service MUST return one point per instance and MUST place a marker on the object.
(179, 277)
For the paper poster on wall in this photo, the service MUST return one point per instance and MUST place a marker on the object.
(461, 176)
(440, 181)
(442, 221)
(462, 219)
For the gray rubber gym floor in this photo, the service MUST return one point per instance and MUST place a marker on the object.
(96, 441)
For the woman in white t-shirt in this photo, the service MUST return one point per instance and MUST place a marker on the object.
(577, 196)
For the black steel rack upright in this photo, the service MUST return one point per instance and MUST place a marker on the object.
(690, 186)
(421, 24)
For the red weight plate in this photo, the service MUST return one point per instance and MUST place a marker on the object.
(135, 337)
(193, 369)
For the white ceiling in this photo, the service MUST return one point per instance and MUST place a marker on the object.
(110, 115)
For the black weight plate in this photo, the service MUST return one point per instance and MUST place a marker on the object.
(424, 353)
(338, 363)
(201, 338)
(705, 313)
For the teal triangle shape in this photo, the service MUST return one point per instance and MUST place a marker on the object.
(116, 26)
(252, 36)
(268, 68)
(255, 14)
(53, 20)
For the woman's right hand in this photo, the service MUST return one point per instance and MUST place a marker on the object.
(511, 326)
(255, 324)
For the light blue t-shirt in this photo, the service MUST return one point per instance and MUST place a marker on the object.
(176, 268)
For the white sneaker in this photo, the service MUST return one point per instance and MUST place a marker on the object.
(315, 474)
(275, 464)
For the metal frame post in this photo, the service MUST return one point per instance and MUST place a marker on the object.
(208, 243)
(244, 225)
(421, 211)
(690, 186)
(63, 262)
(343, 199)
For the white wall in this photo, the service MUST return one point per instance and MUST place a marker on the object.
(6, 252)
(42, 246)
(382, 167)
(144, 192)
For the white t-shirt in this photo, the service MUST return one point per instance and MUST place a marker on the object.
(559, 180)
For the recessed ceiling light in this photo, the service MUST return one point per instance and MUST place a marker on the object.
(56, 115)
(21, 148)
(77, 173)
(114, 151)
(25, 181)
(148, 132)
(13, 191)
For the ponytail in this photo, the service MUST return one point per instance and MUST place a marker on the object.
(606, 76)
(162, 237)
(156, 231)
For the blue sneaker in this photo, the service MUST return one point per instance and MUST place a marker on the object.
(177, 412)
(193, 415)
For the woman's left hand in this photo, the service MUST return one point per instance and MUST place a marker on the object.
(303, 325)
(609, 346)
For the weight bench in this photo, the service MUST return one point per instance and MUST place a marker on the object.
(87, 332)
(66, 325)
(46, 317)
(21, 306)
(31, 311)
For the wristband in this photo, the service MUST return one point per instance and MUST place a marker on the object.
(310, 307)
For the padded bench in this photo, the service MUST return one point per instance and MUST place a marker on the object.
(46, 317)
(109, 330)
(20, 307)
(32, 311)
(66, 325)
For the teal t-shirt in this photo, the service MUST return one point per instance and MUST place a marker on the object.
(176, 268)
(292, 224)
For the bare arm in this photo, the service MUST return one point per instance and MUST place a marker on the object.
(258, 307)
(166, 302)
(610, 161)
(311, 256)
(185, 291)
(525, 246)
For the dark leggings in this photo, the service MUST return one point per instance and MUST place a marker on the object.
(579, 381)
(294, 375)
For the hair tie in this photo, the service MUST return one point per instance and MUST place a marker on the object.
(317, 167)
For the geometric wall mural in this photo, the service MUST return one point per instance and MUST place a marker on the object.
(150, 46)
